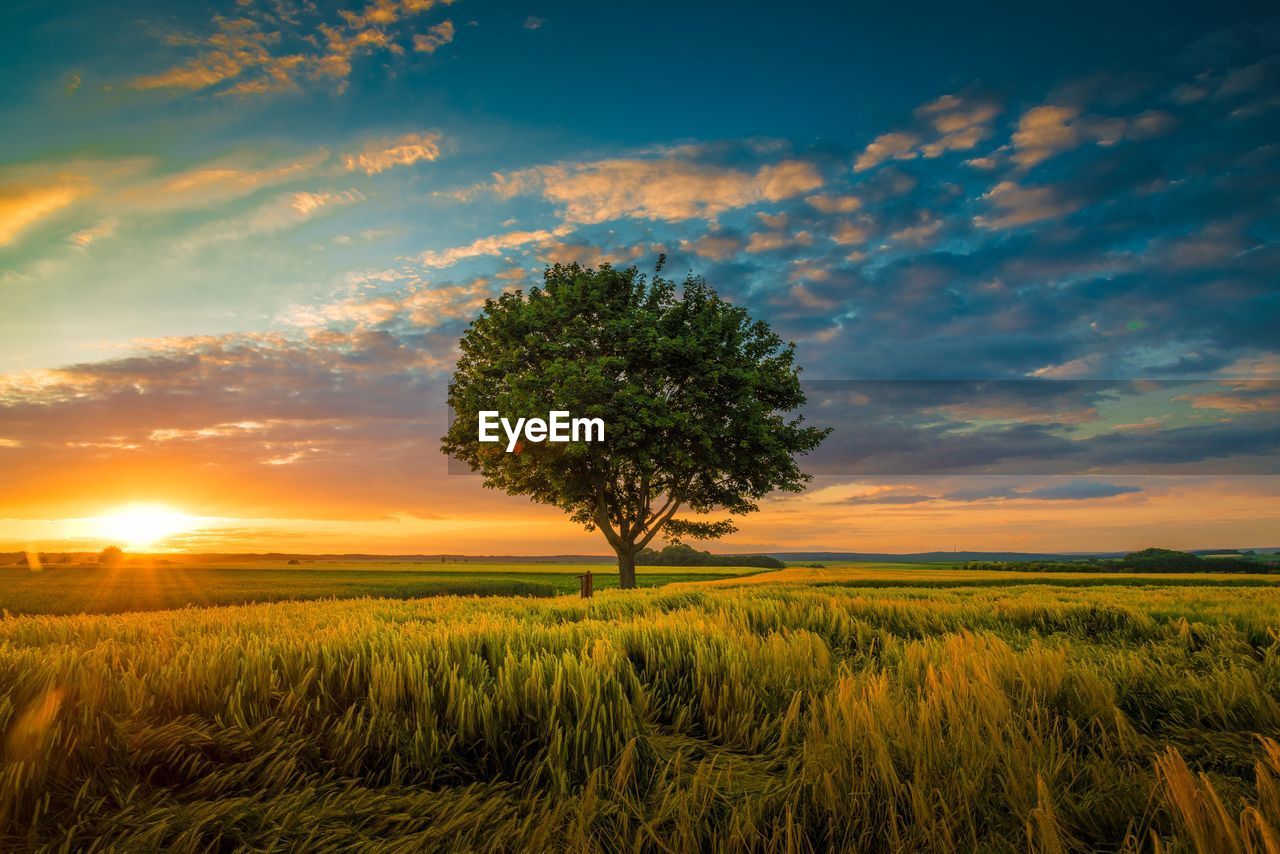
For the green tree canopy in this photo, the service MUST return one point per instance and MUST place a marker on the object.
(695, 396)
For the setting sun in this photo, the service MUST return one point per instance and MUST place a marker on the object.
(140, 525)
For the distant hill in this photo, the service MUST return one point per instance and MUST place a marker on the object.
(935, 557)
(1146, 560)
(952, 557)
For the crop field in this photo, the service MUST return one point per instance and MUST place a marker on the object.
(98, 590)
(872, 574)
(760, 714)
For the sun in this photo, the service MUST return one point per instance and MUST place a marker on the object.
(141, 525)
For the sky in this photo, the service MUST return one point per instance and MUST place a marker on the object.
(1027, 254)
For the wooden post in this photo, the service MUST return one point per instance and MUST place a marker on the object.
(585, 580)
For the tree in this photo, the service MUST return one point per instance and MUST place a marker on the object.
(110, 556)
(695, 397)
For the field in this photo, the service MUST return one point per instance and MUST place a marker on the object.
(94, 590)
(855, 708)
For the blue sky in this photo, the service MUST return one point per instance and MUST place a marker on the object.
(232, 205)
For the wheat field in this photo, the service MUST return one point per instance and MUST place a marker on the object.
(759, 717)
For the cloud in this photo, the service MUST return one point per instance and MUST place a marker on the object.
(1050, 129)
(406, 150)
(1076, 490)
(1044, 131)
(716, 247)
(533, 23)
(287, 210)
(363, 407)
(834, 204)
(1020, 205)
(769, 241)
(787, 179)
(591, 254)
(101, 194)
(236, 45)
(915, 427)
(1239, 396)
(418, 306)
(271, 49)
(668, 189)
(219, 181)
(22, 204)
(894, 498)
(1079, 490)
(954, 122)
(959, 122)
(438, 36)
(887, 146)
(849, 233)
(87, 236)
(923, 231)
(494, 245)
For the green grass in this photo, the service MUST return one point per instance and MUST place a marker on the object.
(98, 590)
(731, 715)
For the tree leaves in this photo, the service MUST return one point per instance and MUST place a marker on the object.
(695, 397)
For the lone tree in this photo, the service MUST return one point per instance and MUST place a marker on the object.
(111, 556)
(695, 397)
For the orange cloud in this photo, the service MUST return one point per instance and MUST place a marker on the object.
(887, 146)
(768, 241)
(381, 155)
(961, 124)
(714, 246)
(436, 37)
(1044, 131)
(494, 245)
(668, 189)
(848, 233)
(22, 205)
(219, 181)
(1021, 205)
(834, 204)
(1050, 129)
(422, 306)
(236, 45)
(270, 51)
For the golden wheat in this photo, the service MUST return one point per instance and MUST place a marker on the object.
(761, 718)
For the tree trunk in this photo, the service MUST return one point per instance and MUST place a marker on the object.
(626, 568)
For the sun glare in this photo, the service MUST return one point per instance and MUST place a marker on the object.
(141, 525)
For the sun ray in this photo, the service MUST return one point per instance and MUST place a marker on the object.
(143, 525)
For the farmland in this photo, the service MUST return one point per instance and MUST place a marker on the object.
(790, 711)
(153, 587)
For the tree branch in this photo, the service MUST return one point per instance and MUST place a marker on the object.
(602, 519)
(657, 526)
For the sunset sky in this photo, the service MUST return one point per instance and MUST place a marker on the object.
(1030, 259)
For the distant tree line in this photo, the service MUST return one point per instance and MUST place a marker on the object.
(110, 556)
(678, 554)
(1146, 560)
